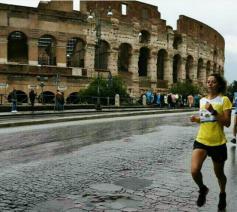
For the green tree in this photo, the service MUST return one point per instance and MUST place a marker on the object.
(185, 88)
(105, 88)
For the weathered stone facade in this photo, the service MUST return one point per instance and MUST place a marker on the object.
(56, 42)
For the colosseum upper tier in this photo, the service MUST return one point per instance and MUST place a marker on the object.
(66, 48)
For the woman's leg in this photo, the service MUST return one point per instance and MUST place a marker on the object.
(198, 157)
(219, 171)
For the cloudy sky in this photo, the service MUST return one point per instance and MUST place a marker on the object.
(218, 14)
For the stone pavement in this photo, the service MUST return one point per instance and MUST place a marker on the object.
(165, 186)
(127, 175)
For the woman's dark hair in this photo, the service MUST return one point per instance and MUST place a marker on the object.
(222, 84)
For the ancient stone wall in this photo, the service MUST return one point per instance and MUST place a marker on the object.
(134, 43)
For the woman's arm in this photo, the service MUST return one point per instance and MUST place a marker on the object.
(224, 119)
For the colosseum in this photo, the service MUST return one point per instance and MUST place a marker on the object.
(55, 47)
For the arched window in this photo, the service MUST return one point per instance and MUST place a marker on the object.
(75, 52)
(101, 55)
(17, 47)
(47, 50)
(143, 61)
(214, 68)
(73, 98)
(144, 36)
(124, 57)
(176, 67)
(208, 69)
(189, 68)
(200, 71)
(161, 59)
(177, 41)
(48, 97)
(20, 95)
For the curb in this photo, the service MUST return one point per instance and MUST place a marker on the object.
(89, 117)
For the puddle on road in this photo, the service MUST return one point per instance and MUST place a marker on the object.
(133, 183)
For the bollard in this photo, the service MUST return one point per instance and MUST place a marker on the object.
(144, 100)
(117, 100)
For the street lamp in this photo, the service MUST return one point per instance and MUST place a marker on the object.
(97, 18)
(42, 84)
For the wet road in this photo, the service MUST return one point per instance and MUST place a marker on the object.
(46, 162)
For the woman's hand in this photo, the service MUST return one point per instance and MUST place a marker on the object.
(209, 107)
(195, 118)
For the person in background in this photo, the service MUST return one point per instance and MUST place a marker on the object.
(32, 96)
(59, 100)
(233, 140)
(214, 115)
(14, 100)
(190, 100)
(158, 100)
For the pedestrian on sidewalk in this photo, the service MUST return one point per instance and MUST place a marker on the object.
(32, 96)
(13, 96)
(233, 140)
(59, 98)
(214, 115)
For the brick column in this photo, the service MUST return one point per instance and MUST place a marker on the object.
(3, 49)
(133, 66)
(113, 62)
(168, 69)
(33, 51)
(151, 69)
(89, 59)
(61, 53)
(194, 70)
(182, 70)
(203, 74)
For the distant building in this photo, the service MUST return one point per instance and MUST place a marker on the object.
(67, 48)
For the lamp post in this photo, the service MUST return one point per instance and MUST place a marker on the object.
(97, 19)
(42, 80)
(109, 84)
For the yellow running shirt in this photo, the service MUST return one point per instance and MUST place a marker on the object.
(211, 133)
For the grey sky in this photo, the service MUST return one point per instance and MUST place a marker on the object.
(218, 14)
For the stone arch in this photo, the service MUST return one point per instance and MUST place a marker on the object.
(48, 97)
(75, 52)
(143, 61)
(101, 55)
(162, 59)
(17, 47)
(200, 70)
(189, 68)
(73, 98)
(177, 41)
(144, 36)
(47, 50)
(124, 57)
(21, 97)
(176, 68)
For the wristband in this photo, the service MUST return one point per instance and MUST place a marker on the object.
(214, 113)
